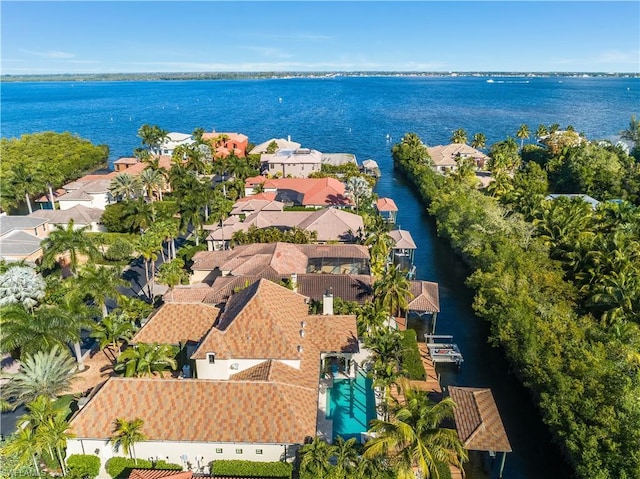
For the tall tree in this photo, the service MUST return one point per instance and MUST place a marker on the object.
(316, 457)
(459, 136)
(153, 182)
(24, 184)
(24, 446)
(149, 246)
(358, 190)
(414, 436)
(70, 240)
(111, 330)
(523, 134)
(391, 292)
(127, 434)
(126, 186)
(100, 283)
(144, 360)
(152, 137)
(479, 140)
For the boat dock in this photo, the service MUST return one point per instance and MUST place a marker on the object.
(442, 349)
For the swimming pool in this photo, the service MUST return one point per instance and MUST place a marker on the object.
(352, 406)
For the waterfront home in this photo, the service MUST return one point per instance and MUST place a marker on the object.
(279, 143)
(309, 192)
(278, 259)
(403, 249)
(172, 141)
(256, 394)
(250, 204)
(134, 166)
(91, 191)
(445, 157)
(223, 144)
(20, 237)
(338, 159)
(298, 163)
(387, 208)
(329, 224)
(82, 216)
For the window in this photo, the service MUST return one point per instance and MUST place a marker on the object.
(218, 450)
(238, 451)
(258, 451)
(211, 357)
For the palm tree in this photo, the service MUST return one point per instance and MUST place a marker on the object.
(127, 434)
(346, 457)
(152, 136)
(24, 183)
(140, 215)
(152, 182)
(358, 190)
(42, 374)
(68, 240)
(391, 292)
(112, 329)
(100, 283)
(24, 446)
(148, 247)
(386, 349)
(27, 333)
(414, 437)
(146, 360)
(541, 131)
(632, 133)
(125, 186)
(315, 457)
(54, 432)
(523, 134)
(479, 140)
(459, 136)
(371, 320)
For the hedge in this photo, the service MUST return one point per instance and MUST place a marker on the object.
(411, 361)
(83, 466)
(120, 467)
(235, 468)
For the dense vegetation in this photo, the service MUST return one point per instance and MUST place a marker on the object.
(36, 161)
(234, 468)
(557, 281)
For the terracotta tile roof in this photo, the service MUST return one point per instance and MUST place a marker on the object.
(345, 286)
(178, 322)
(347, 251)
(262, 321)
(402, 239)
(335, 333)
(126, 161)
(425, 297)
(478, 421)
(445, 155)
(386, 204)
(304, 191)
(159, 474)
(218, 411)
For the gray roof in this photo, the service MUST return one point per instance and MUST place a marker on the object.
(402, 239)
(12, 223)
(80, 214)
(19, 243)
(281, 142)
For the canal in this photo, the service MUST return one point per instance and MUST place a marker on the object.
(533, 456)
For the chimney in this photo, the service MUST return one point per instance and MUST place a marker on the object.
(327, 303)
(294, 282)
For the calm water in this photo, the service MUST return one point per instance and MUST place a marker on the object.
(364, 116)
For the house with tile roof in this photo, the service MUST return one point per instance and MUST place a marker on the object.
(309, 192)
(173, 140)
(280, 144)
(81, 215)
(329, 224)
(274, 259)
(444, 156)
(256, 394)
(20, 237)
(298, 163)
(387, 208)
(91, 191)
(223, 144)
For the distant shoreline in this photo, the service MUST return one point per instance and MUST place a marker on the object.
(177, 76)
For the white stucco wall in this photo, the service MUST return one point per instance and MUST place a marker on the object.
(99, 201)
(222, 368)
(199, 454)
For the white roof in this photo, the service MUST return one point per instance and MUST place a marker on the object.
(369, 164)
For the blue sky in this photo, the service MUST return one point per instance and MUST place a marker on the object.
(167, 36)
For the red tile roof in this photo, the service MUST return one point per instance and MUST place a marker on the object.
(310, 191)
(386, 204)
(425, 297)
(159, 474)
(177, 323)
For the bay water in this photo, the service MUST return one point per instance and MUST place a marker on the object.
(364, 116)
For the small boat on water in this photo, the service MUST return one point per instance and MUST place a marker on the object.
(442, 349)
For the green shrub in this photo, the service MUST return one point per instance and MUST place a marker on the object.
(234, 468)
(9, 464)
(119, 250)
(411, 361)
(120, 467)
(83, 465)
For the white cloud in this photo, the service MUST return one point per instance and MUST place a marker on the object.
(269, 52)
(52, 54)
